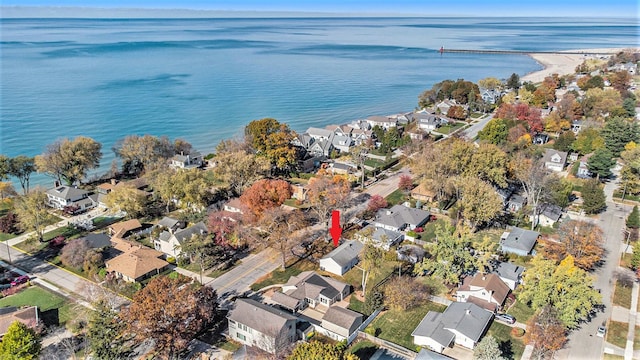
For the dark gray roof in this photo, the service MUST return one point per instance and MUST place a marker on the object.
(508, 270)
(97, 241)
(309, 285)
(469, 319)
(342, 317)
(516, 199)
(168, 222)
(382, 235)
(553, 212)
(285, 300)
(399, 215)
(260, 317)
(432, 327)
(185, 234)
(67, 192)
(345, 253)
(550, 153)
(521, 239)
(426, 354)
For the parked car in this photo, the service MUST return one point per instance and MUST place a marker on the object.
(601, 331)
(506, 318)
(20, 280)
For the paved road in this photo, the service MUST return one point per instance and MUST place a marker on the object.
(473, 130)
(583, 344)
(388, 185)
(240, 278)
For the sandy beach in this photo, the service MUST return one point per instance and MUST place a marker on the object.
(563, 64)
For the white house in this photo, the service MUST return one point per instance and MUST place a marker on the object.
(342, 258)
(385, 122)
(339, 323)
(186, 161)
(554, 160)
(510, 274)
(311, 289)
(400, 217)
(170, 243)
(485, 290)
(255, 324)
(72, 199)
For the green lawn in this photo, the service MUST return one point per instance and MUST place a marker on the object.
(4, 237)
(363, 349)
(622, 296)
(356, 305)
(281, 276)
(636, 339)
(449, 128)
(69, 232)
(397, 197)
(521, 311)
(397, 325)
(617, 333)
(429, 233)
(612, 357)
(512, 348)
(354, 276)
(45, 300)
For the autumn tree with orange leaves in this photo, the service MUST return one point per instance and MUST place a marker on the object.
(281, 229)
(265, 194)
(545, 333)
(580, 239)
(327, 192)
(171, 312)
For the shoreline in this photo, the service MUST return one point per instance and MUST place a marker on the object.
(563, 64)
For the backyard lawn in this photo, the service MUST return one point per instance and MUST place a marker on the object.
(397, 325)
(449, 128)
(363, 349)
(354, 276)
(53, 307)
(512, 348)
(396, 197)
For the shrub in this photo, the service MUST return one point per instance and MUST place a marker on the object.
(171, 260)
(517, 332)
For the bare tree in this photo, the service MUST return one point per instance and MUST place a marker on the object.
(531, 174)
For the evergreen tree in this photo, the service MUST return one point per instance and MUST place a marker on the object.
(594, 199)
(601, 162)
(487, 349)
(105, 333)
(20, 343)
(633, 220)
(618, 132)
(514, 81)
(635, 258)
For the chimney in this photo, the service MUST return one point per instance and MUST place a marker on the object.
(484, 277)
(389, 212)
(468, 312)
(114, 182)
(56, 183)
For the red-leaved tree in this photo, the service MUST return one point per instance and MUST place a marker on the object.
(377, 202)
(265, 194)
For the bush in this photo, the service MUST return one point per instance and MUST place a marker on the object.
(517, 332)
(171, 260)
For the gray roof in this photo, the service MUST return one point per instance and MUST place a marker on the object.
(399, 215)
(185, 234)
(508, 270)
(318, 132)
(426, 118)
(67, 192)
(426, 354)
(345, 253)
(97, 241)
(550, 152)
(382, 235)
(260, 317)
(285, 300)
(432, 327)
(553, 212)
(521, 239)
(342, 317)
(309, 285)
(168, 222)
(381, 119)
(469, 319)
(516, 199)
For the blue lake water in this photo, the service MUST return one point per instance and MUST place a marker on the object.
(204, 79)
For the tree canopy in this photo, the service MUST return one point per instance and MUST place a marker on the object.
(21, 167)
(33, 213)
(265, 194)
(450, 256)
(20, 343)
(546, 333)
(273, 140)
(580, 239)
(69, 160)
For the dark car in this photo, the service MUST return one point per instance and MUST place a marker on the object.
(506, 318)
(20, 280)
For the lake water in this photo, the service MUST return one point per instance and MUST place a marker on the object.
(203, 80)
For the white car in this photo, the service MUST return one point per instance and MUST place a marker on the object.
(601, 331)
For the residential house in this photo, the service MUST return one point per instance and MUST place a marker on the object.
(71, 199)
(342, 259)
(401, 217)
(549, 214)
(123, 229)
(255, 324)
(540, 139)
(380, 237)
(234, 206)
(342, 143)
(444, 106)
(516, 202)
(187, 161)
(170, 224)
(583, 168)
(299, 191)
(385, 122)
(554, 160)
(170, 243)
(485, 290)
(461, 323)
(576, 126)
(429, 122)
(426, 354)
(319, 134)
(136, 263)
(311, 289)
(490, 96)
(342, 168)
(360, 125)
(140, 184)
(509, 273)
(421, 193)
(339, 323)
(519, 241)
(343, 130)
(29, 316)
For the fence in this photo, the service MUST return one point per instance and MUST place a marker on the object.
(363, 326)
(401, 350)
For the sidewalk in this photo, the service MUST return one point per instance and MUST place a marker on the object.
(628, 351)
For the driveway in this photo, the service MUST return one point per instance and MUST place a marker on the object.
(388, 185)
(240, 278)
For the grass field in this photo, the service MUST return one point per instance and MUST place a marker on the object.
(512, 348)
(617, 333)
(51, 305)
(622, 296)
(397, 325)
(636, 339)
(521, 311)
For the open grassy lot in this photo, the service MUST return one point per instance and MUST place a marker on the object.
(521, 311)
(397, 325)
(55, 309)
(617, 333)
(636, 339)
(449, 128)
(281, 276)
(622, 295)
(512, 348)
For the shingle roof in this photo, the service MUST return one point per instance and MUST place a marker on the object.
(553, 212)
(285, 300)
(345, 253)
(66, 192)
(466, 318)
(137, 262)
(431, 326)
(521, 239)
(168, 222)
(399, 215)
(185, 234)
(122, 227)
(308, 284)
(490, 282)
(27, 316)
(258, 316)
(508, 270)
(97, 241)
(342, 317)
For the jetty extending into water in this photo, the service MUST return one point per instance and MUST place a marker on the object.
(520, 52)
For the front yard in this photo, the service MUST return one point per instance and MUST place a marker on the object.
(397, 325)
(280, 276)
(617, 333)
(622, 295)
(511, 347)
(521, 311)
(55, 309)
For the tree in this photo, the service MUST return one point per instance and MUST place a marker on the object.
(513, 82)
(630, 174)
(564, 141)
(450, 256)
(480, 202)
(273, 140)
(22, 167)
(457, 112)
(594, 199)
(635, 258)
(8, 223)
(265, 194)
(532, 176)
(376, 202)
(618, 132)
(69, 160)
(138, 152)
(405, 183)
(488, 163)
(317, 350)
(495, 132)
(490, 83)
(633, 220)
(597, 103)
(601, 162)
(587, 141)
(404, 293)
(487, 349)
(74, 253)
(6, 190)
(280, 228)
(582, 240)
(5, 167)
(128, 199)
(372, 260)
(546, 333)
(620, 80)
(201, 250)
(20, 342)
(33, 213)
(326, 192)
(171, 312)
(567, 288)
(559, 190)
(240, 169)
(105, 332)
(224, 228)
